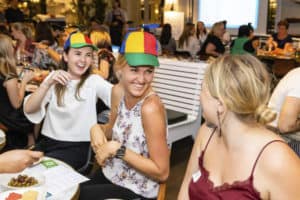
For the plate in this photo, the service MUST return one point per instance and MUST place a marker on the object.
(5, 179)
(39, 190)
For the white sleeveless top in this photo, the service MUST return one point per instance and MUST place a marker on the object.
(128, 130)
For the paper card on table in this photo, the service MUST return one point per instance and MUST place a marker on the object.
(49, 163)
(60, 178)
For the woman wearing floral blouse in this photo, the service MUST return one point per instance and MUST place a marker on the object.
(133, 154)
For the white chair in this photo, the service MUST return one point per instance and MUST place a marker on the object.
(178, 84)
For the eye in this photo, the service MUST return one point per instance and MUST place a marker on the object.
(150, 71)
(89, 54)
(78, 53)
(133, 69)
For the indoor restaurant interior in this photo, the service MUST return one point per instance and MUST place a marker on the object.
(149, 99)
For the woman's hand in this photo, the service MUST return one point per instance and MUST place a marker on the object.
(27, 75)
(98, 137)
(106, 151)
(17, 160)
(58, 76)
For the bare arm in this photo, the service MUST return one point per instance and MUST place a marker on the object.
(34, 102)
(211, 50)
(15, 90)
(157, 165)
(192, 166)
(278, 172)
(101, 133)
(289, 115)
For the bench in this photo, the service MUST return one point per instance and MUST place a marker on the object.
(178, 84)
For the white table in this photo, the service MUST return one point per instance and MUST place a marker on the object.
(69, 194)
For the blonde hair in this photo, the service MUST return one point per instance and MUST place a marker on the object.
(119, 65)
(215, 27)
(243, 83)
(7, 60)
(25, 29)
(101, 39)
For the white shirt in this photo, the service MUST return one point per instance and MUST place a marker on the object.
(72, 121)
(193, 47)
(289, 86)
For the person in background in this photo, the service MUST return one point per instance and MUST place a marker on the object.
(168, 43)
(13, 13)
(67, 100)
(187, 40)
(201, 32)
(96, 25)
(56, 52)
(286, 102)
(116, 20)
(23, 35)
(226, 36)
(213, 45)
(17, 160)
(245, 42)
(12, 91)
(234, 155)
(45, 43)
(134, 156)
(103, 58)
(281, 42)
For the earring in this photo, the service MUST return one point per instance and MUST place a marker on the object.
(219, 123)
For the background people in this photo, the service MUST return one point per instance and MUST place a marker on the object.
(245, 42)
(281, 42)
(13, 13)
(187, 40)
(12, 92)
(201, 32)
(286, 102)
(116, 20)
(213, 45)
(168, 43)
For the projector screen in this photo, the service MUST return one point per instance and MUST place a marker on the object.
(235, 12)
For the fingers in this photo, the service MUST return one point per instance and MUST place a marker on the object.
(36, 154)
(61, 77)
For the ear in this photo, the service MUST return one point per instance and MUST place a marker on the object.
(65, 57)
(221, 107)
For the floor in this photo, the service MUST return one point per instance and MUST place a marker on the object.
(179, 157)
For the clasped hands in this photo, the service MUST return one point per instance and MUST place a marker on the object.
(103, 149)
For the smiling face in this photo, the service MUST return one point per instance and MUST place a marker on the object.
(79, 60)
(137, 80)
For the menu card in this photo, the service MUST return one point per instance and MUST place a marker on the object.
(61, 178)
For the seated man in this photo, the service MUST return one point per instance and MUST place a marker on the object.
(286, 101)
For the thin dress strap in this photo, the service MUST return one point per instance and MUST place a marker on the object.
(261, 151)
(209, 139)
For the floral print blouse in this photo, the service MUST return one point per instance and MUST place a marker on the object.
(128, 130)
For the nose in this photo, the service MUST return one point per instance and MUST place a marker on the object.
(141, 78)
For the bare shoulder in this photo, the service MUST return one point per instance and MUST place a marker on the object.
(279, 158)
(152, 104)
(117, 92)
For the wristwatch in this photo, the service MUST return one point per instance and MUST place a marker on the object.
(121, 152)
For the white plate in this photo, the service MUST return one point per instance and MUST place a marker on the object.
(40, 190)
(5, 179)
